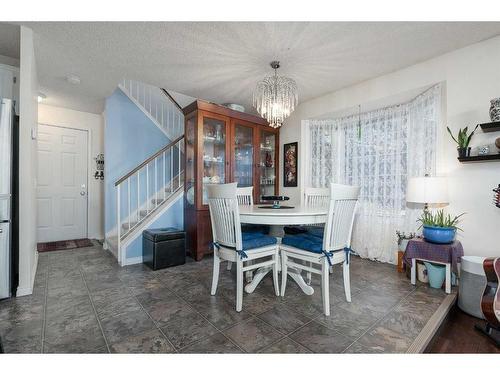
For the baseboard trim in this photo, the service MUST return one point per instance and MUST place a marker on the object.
(430, 329)
(130, 261)
(24, 292)
(29, 290)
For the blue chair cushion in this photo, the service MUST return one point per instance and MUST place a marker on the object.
(254, 228)
(305, 229)
(316, 231)
(304, 241)
(254, 240)
(295, 229)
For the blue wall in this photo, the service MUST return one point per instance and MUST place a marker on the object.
(130, 137)
(173, 217)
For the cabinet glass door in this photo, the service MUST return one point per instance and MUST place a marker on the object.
(267, 163)
(214, 153)
(190, 130)
(243, 155)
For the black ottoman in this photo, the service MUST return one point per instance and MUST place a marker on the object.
(162, 248)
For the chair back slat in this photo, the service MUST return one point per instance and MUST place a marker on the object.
(245, 196)
(341, 213)
(224, 215)
(316, 197)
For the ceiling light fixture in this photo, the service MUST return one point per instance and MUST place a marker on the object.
(41, 97)
(275, 97)
(75, 80)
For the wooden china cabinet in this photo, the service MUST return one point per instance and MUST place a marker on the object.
(224, 145)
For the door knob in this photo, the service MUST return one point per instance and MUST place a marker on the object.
(82, 193)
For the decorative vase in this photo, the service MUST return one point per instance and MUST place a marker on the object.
(439, 235)
(495, 109)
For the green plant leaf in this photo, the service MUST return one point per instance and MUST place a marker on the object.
(439, 219)
(470, 136)
(449, 131)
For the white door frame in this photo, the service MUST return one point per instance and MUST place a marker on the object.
(89, 163)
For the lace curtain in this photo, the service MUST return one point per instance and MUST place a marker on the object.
(378, 151)
(323, 135)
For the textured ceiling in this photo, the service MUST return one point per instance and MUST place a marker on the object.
(9, 40)
(222, 62)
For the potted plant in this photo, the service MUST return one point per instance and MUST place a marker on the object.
(439, 227)
(403, 239)
(462, 140)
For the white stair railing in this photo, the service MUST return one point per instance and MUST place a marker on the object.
(146, 188)
(157, 105)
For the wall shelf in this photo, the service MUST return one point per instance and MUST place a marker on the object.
(490, 127)
(479, 158)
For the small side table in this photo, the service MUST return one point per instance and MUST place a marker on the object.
(446, 254)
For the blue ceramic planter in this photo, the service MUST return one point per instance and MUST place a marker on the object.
(439, 234)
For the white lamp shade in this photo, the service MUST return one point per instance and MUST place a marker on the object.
(430, 190)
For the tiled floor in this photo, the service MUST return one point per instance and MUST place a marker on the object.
(84, 302)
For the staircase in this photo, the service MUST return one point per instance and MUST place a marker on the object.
(147, 191)
(157, 104)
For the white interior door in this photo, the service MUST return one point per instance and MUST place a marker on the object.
(61, 184)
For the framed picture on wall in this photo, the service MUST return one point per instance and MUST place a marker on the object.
(290, 163)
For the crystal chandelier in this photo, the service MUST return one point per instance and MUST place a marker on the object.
(275, 97)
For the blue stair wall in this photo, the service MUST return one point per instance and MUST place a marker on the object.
(130, 137)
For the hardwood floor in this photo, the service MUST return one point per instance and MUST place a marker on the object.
(457, 335)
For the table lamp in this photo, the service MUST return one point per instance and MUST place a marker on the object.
(427, 190)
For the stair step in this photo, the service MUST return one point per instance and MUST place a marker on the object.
(126, 226)
(144, 214)
(157, 201)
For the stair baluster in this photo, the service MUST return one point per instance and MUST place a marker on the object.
(158, 189)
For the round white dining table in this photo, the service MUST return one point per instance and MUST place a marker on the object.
(277, 219)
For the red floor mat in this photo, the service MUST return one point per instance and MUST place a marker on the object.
(64, 245)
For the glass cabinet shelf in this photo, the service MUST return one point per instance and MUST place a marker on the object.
(267, 163)
(214, 153)
(243, 154)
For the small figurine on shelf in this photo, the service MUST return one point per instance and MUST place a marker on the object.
(269, 160)
(496, 196)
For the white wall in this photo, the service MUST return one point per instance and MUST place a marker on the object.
(471, 78)
(6, 60)
(94, 124)
(28, 118)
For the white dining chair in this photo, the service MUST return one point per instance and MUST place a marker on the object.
(316, 197)
(245, 195)
(245, 198)
(232, 245)
(313, 197)
(332, 247)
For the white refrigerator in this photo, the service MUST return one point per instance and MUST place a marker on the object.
(6, 159)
